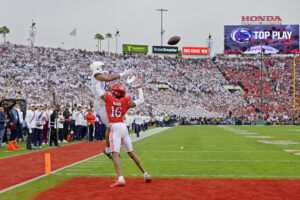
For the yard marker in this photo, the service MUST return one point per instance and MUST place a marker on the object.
(47, 163)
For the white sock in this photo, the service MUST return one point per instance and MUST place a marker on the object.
(145, 174)
(121, 179)
(107, 149)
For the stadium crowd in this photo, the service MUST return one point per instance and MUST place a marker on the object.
(175, 88)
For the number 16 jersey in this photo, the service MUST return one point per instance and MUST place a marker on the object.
(116, 108)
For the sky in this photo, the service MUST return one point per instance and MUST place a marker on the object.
(137, 20)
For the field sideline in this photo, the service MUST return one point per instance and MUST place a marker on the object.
(208, 152)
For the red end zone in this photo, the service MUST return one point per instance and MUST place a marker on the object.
(174, 189)
(17, 169)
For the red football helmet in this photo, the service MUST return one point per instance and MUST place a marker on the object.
(118, 90)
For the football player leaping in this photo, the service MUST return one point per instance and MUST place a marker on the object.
(99, 78)
(117, 104)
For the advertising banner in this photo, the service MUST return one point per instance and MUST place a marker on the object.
(132, 48)
(195, 50)
(268, 39)
(165, 49)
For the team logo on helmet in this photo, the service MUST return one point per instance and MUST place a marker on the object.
(241, 35)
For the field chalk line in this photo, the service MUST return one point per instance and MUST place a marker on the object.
(189, 175)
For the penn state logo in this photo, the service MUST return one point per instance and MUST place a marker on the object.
(241, 35)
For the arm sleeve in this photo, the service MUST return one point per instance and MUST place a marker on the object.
(140, 100)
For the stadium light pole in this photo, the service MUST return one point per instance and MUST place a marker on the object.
(161, 10)
(32, 29)
(32, 25)
(117, 34)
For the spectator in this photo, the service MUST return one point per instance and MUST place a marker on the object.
(14, 123)
(30, 122)
(79, 120)
(90, 118)
(54, 127)
(40, 118)
(48, 111)
(3, 121)
(138, 124)
(19, 127)
(61, 120)
(67, 115)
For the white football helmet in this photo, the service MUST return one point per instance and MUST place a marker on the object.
(97, 66)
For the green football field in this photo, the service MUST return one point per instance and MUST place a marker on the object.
(208, 152)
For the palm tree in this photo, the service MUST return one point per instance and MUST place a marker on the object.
(4, 30)
(108, 36)
(99, 37)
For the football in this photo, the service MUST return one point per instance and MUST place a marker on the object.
(174, 40)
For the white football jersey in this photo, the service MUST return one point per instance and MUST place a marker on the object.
(97, 85)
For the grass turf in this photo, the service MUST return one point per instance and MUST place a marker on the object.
(4, 153)
(209, 152)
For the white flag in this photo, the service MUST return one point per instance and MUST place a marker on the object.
(32, 34)
(73, 33)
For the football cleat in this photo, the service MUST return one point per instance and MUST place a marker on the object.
(109, 155)
(118, 184)
(147, 178)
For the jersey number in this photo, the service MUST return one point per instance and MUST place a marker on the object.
(117, 112)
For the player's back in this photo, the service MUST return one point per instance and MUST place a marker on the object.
(116, 108)
(97, 85)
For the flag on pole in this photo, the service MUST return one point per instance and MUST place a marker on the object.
(73, 33)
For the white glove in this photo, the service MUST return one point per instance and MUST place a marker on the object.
(126, 73)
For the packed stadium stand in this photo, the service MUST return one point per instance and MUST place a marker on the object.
(195, 87)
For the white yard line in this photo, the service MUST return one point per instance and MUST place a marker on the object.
(185, 151)
(188, 175)
(184, 160)
(133, 138)
(290, 150)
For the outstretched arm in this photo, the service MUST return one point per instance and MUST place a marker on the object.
(139, 101)
(108, 78)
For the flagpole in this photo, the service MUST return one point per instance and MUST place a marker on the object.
(75, 41)
(73, 33)
(75, 37)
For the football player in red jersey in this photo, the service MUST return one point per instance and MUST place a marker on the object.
(117, 104)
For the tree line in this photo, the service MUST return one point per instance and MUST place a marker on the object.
(100, 37)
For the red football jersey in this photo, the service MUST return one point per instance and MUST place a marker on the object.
(116, 108)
